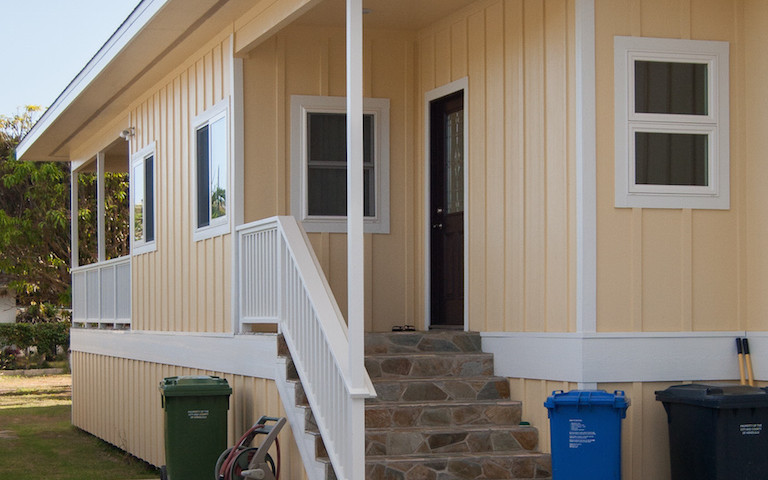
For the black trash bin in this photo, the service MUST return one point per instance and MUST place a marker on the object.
(717, 432)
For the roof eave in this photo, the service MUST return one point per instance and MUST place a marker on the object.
(136, 21)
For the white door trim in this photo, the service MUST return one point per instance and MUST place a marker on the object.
(461, 84)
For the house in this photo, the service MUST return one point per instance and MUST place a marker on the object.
(7, 301)
(596, 214)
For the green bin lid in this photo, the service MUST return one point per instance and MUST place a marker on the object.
(194, 385)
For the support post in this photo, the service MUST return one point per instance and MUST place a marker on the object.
(355, 252)
(100, 197)
(355, 249)
(74, 228)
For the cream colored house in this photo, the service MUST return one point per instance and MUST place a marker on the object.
(602, 213)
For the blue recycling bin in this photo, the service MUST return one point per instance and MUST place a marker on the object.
(585, 430)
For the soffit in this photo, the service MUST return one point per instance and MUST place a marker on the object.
(387, 14)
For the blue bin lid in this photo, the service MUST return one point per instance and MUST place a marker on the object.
(585, 398)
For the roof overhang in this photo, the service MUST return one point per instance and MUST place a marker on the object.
(155, 38)
(159, 35)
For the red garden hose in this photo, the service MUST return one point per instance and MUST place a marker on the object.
(229, 461)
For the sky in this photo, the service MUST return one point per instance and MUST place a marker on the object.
(48, 42)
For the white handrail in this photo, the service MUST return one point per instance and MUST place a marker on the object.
(281, 282)
(101, 293)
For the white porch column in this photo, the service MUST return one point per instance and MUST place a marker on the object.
(74, 229)
(101, 232)
(355, 252)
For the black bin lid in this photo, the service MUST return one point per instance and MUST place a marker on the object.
(715, 396)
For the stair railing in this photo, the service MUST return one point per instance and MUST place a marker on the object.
(280, 281)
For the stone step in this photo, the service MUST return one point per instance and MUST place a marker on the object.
(465, 439)
(416, 342)
(400, 365)
(442, 414)
(440, 389)
(456, 466)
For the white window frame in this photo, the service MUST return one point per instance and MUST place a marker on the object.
(142, 246)
(301, 106)
(221, 225)
(716, 124)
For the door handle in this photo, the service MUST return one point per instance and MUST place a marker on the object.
(437, 226)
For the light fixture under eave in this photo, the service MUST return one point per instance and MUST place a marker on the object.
(128, 133)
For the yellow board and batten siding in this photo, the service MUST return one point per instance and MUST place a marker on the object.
(670, 269)
(304, 60)
(118, 400)
(518, 56)
(184, 285)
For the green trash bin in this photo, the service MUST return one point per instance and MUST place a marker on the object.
(195, 425)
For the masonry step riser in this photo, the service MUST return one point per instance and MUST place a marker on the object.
(430, 365)
(441, 415)
(421, 342)
(426, 442)
(504, 467)
(445, 389)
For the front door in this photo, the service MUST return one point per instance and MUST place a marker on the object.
(447, 211)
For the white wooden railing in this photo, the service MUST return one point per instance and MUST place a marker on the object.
(280, 281)
(101, 294)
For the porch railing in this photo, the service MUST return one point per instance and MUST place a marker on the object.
(281, 282)
(101, 294)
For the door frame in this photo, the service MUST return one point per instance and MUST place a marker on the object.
(460, 85)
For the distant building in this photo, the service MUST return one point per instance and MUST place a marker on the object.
(7, 301)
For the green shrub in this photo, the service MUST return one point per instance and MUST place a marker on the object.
(45, 336)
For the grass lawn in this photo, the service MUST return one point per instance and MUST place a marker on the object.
(37, 439)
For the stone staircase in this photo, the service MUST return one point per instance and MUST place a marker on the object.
(440, 413)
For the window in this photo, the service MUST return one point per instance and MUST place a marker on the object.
(672, 123)
(142, 182)
(212, 172)
(319, 163)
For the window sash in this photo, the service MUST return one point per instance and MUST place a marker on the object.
(326, 164)
(708, 125)
(212, 172)
(142, 200)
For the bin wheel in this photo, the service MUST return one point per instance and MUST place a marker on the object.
(163, 473)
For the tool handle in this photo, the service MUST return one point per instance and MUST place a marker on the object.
(745, 346)
(740, 350)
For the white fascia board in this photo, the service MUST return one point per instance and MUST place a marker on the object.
(132, 25)
(623, 357)
(248, 355)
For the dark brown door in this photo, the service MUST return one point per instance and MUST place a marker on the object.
(447, 211)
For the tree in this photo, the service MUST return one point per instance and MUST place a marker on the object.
(34, 218)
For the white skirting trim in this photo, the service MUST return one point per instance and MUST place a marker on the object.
(248, 355)
(589, 358)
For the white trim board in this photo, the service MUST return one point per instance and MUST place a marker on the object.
(586, 169)
(248, 355)
(624, 357)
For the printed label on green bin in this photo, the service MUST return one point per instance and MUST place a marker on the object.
(579, 435)
(197, 414)
(751, 428)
